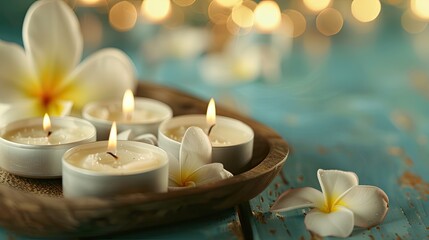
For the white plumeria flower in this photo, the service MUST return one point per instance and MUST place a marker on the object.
(46, 76)
(340, 206)
(194, 166)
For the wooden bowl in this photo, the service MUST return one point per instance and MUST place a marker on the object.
(36, 207)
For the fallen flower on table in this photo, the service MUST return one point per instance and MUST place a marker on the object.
(46, 77)
(194, 166)
(340, 206)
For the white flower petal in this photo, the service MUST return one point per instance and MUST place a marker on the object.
(147, 138)
(31, 108)
(298, 198)
(60, 108)
(18, 110)
(144, 138)
(15, 74)
(334, 183)
(172, 186)
(126, 61)
(104, 75)
(369, 205)
(208, 173)
(173, 171)
(338, 223)
(4, 108)
(226, 173)
(52, 38)
(124, 135)
(195, 151)
(21, 110)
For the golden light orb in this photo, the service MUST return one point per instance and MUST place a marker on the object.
(242, 16)
(123, 16)
(90, 2)
(267, 16)
(218, 14)
(411, 23)
(229, 3)
(317, 5)
(155, 10)
(329, 22)
(298, 21)
(366, 10)
(420, 8)
(184, 3)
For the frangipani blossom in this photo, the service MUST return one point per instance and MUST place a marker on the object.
(340, 206)
(46, 77)
(194, 166)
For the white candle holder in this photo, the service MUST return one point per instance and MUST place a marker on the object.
(82, 182)
(148, 115)
(232, 140)
(41, 160)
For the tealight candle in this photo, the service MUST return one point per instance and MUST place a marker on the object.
(232, 140)
(142, 115)
(109, 168)
(34, 147)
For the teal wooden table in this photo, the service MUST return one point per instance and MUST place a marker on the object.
(361, 106)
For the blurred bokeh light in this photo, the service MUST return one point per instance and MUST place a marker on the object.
(156, 10)
(123, 16)
(366, 10)
(329, 22)
(267, 16)
(317, 5)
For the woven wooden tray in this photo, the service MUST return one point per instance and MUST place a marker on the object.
(37, 208)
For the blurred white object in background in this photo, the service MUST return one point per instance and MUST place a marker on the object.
(239, 62)
(183, 43)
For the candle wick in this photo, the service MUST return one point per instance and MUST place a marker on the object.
(49, 133)
(210, 129)
(113, 155)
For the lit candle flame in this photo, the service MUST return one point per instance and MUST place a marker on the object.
(211, 113)
(111, 146)
(128, 105)
(46, 123)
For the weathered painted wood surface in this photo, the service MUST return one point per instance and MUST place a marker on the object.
(364, 108)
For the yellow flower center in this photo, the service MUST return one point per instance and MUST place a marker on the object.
(187, 179)
(46, 91)
(187, 183)
(330, 204)
(46, 98)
